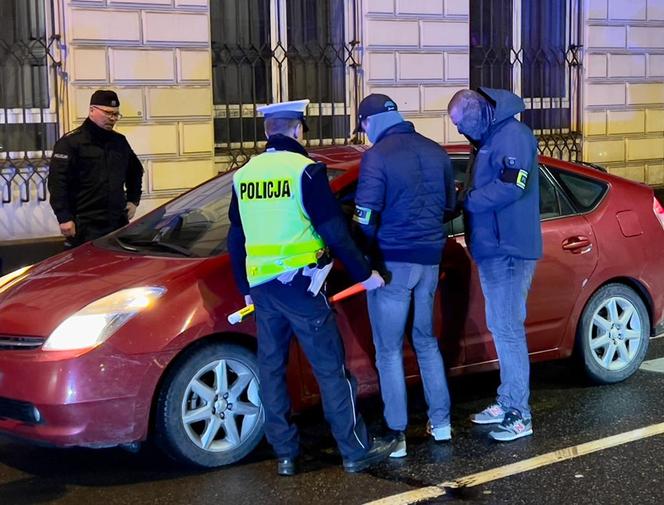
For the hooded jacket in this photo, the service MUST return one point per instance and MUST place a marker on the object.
(406, 180)
(502, 203)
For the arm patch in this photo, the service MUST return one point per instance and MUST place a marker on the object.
(364, 215)
(518, 177)
(513, 173)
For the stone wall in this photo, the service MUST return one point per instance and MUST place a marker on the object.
(624, 87)
(417, 53)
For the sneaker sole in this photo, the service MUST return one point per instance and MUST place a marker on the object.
(510, 438)
(487, 421)
(401, 453)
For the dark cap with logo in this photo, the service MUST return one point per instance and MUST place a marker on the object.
(375, 103)
(105, 97)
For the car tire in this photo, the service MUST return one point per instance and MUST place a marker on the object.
(208, 411)
(613, 334)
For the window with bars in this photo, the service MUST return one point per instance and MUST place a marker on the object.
(266, 51)
(28, 120)
(533, 49)
(28, 104)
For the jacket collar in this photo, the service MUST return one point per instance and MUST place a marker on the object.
(96, 131)
(402, 127)
(281, 142)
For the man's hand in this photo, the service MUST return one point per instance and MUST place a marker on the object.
(131, 210)
(68, 229)
(374, 281)
(248, 300)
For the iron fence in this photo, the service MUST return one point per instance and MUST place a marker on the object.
(265, 51)
(28, 97)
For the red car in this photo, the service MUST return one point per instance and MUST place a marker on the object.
(128, 337)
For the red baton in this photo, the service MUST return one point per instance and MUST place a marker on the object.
(353, 290)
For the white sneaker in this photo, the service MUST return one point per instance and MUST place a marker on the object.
(442, 433)
(400, 449)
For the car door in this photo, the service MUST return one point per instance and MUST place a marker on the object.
(569, 258)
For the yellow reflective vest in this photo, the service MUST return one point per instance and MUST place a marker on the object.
(278, 233)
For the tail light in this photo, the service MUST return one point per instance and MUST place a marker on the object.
(658, 210)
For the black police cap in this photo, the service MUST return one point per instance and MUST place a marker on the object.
(105, 97)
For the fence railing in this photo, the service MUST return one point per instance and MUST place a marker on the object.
(28, 97)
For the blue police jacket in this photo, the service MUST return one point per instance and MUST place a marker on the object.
(502, 204)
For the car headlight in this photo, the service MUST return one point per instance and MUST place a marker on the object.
(12, 278)
(96, 322)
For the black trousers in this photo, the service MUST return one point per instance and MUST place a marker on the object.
(284, 309)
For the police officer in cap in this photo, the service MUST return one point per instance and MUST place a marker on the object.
(95, 178)
(284, 223)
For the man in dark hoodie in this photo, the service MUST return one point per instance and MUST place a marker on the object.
(405, 187)
(501, 206)
(90, 169)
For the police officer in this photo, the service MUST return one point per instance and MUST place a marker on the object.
(90, 168)
(501, 211)
(284, 218)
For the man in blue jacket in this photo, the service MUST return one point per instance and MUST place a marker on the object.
(405, 187)
(501, 206)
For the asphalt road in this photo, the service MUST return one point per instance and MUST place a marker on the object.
(567, 411)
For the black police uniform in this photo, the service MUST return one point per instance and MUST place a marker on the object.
(284, 309)
(89, 170)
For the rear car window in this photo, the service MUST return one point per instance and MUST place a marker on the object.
(585, 192)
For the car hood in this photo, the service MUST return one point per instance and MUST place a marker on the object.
(60, 286)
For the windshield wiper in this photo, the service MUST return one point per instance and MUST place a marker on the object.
(123, 245)
(155, 244)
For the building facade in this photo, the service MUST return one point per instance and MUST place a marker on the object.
(190, 74)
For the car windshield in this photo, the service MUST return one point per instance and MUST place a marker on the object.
(195, 224)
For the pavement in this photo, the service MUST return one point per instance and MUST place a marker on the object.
(567, 411)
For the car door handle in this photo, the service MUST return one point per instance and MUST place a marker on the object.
(575, 244)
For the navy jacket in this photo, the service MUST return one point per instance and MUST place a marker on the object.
(323, 210)
(502, 203)
(89, 170)
(406, 180)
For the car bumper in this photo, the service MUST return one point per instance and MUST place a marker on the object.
(99, 399)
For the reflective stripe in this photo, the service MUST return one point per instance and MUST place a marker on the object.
(283, 250)
(280, 266)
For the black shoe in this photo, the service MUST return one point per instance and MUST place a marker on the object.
(381, 449)
(287, 466)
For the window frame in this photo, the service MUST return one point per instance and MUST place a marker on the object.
(240, 150)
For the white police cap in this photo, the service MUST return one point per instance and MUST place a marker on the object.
(286, 110)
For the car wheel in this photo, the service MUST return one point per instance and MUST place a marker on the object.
(209, 411)
(613, 334)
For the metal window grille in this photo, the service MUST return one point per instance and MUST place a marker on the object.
(266, 51)
(533, 49)
(28, 97)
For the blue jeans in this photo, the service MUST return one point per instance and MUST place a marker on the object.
(505, 283)
(388, 312)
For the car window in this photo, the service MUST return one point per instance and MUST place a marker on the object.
(459, 165)
(585, 192)
(196, 223)
(552, 202)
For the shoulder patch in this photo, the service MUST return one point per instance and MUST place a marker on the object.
(61, 156)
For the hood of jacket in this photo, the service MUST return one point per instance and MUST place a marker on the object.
(505, 103)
